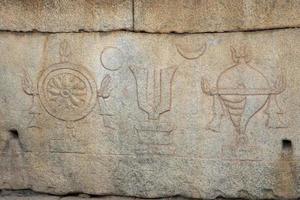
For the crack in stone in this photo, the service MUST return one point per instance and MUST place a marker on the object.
(27, 193)
(147, 32)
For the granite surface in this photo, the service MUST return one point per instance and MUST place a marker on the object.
(151, 115)
(125, 99)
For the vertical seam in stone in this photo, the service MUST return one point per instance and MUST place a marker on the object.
(133, 15)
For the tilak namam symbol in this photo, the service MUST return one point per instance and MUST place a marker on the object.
(154, 93)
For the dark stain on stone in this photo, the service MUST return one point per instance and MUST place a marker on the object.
(286, 178)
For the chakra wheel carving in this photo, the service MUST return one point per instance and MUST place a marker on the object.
(67, 91)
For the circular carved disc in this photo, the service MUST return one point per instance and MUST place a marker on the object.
(112, 58)
(67, 91)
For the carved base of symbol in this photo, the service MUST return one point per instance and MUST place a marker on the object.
(154, 138)
(66, 146)
(241, 149)
(33, 123)
(155, 149)
(34, 113)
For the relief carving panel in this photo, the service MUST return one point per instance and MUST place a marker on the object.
(151, 115)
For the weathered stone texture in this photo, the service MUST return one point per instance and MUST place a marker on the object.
(65, 15)
(214, 15)
(84, 114)
(48, 197)
(31, 198)
(151, 115)
(70, 197)
(147, 15)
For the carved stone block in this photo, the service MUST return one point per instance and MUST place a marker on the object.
(151, 115)
(66, 16)
(194, 16)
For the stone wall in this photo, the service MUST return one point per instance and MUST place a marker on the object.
(149, 99)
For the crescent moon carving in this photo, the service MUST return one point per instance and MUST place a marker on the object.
(190, 54)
